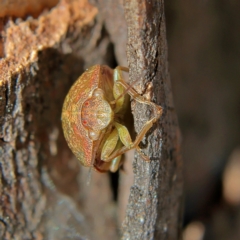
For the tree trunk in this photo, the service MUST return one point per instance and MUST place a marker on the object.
(43, 189)
(154, 207)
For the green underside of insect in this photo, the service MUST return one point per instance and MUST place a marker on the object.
(93, 118)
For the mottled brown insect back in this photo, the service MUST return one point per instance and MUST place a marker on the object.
(93, 118)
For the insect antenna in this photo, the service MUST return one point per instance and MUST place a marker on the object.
(89, 177)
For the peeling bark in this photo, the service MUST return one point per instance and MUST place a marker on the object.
(42, 195)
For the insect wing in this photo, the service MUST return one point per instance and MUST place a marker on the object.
(76, 135)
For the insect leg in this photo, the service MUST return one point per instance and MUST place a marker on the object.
(157, 114)
(115, 164)
(110, 144)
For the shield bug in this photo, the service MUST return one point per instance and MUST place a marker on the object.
(93, 118)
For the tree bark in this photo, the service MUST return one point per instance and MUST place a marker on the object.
(154, 207)
(43, 190)
(43, 193)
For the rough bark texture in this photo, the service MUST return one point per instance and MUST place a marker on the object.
(43, 194)
(154, 208)
(43, 189)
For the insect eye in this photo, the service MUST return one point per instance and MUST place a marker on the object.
(98, 93)
(94, 135)
(86, 103)
(84, 122)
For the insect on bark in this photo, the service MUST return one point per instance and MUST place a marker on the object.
(93, 118)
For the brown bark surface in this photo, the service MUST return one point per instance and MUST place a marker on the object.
(43, 189)
(154, 207)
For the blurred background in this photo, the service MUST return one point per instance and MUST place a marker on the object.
(204, 61)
